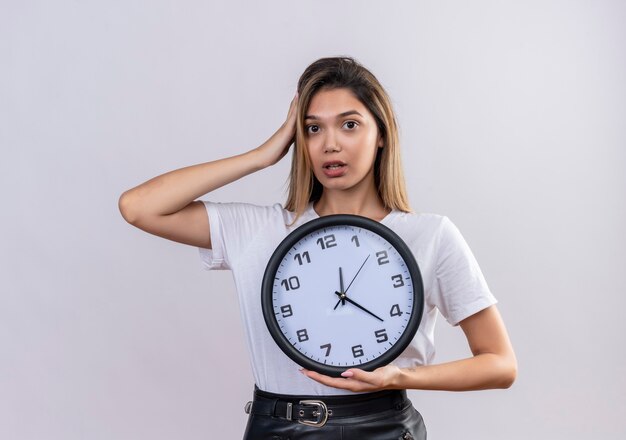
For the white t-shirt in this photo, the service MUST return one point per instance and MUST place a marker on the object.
(244, 236)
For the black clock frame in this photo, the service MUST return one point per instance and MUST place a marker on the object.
(331, 221)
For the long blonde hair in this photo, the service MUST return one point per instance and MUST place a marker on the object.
(345, 72)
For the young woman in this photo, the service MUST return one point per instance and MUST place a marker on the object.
(346, 161)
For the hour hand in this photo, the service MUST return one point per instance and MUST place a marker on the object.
(341, 289)
(341, 301)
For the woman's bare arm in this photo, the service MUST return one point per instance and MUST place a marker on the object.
(164, 205)
(493, 364)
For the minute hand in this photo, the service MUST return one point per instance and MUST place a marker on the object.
(359, 306)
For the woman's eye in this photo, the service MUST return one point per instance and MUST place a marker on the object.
(312, 129)
(351, 125)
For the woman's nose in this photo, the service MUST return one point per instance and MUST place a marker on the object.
(330, 143)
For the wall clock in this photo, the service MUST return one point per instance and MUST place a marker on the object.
(342, 291)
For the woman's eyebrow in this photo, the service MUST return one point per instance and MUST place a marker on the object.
(340, 115)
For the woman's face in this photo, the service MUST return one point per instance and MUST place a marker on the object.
(342, 139)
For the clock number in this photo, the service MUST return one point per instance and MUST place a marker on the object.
(381, 336)
(286, 311)
(357, 351)
(382, 257)
(398, 281)
(355, 239)
(395, 310)
(302, 335)
(291, 283)
(327, 348)
(327, 241)
(301, 258)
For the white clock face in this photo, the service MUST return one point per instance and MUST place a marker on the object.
(343, 296)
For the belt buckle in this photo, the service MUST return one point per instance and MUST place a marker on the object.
(320, 414)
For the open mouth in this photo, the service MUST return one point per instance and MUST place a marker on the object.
(334, 169)
(333, 165)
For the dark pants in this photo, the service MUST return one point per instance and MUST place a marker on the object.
(400, 422)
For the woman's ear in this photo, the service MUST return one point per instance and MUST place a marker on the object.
(381, 142)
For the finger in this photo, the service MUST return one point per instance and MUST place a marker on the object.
(335, 382)
(294, 104)
(345, 383)
(360, 375)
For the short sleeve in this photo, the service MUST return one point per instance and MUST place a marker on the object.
(461, 289)
(234, 227)
(213, 258)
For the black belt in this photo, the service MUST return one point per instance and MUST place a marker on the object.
(316, 410)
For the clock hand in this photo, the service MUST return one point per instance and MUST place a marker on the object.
(338, 302)
(364, 309)
(357, 274)
(343, 296)
(342, 301)
(340, 280)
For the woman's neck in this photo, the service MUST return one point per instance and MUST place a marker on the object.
(342, 202)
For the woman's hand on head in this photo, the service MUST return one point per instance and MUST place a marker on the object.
(277, 146)
(357, 380)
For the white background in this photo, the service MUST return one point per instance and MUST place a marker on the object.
(512, 121)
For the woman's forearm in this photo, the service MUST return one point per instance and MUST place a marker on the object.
(172, 191)
(493, 365)
(481, 372)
